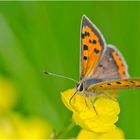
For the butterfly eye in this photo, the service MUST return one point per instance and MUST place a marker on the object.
(80, 86)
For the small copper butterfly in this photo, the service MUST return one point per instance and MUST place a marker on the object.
(102, 67)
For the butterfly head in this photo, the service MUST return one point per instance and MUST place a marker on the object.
(79, 87)
(84, 84)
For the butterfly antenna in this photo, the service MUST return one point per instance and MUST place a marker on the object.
(60, 76)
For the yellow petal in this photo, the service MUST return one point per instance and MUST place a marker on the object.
(115, 133)
(85, 115)
(66, 98)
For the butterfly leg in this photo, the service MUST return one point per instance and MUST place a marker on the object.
(110, 97)
(92, 102)
(72, 98)
(85, 97)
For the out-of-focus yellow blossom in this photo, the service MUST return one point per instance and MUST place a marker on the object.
(31, 127)
(34, 128)
(85, 116)
(8, 96)
(7, 130)
(115, 133)
(15, 126)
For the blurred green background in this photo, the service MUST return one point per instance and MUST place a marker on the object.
(35, 36)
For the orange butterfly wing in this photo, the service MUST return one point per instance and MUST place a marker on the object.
(120, 62)
(130, 83)
(92, 47)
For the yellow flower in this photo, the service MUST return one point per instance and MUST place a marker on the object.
(6, 128)
(30, 127)
(85, 116)
(8, 96)
(116, 133)
(14, 126)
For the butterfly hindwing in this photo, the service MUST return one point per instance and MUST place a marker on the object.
(92, 47)
(120, 62)
(111, 66)
(128, 83)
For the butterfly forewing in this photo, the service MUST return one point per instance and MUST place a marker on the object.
(92, 47)
(129, 83)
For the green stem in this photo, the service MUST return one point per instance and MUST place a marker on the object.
(64, 131)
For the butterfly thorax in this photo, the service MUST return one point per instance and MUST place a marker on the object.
(84, 84)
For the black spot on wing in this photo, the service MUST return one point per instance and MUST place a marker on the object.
(85, 58)
(83, 35)
(87, 34)
(109, 84)
(100, 65)
(92, 41)
(85, 47)
(118, 82)
(87, 22)
(96, 50)
(132, 82)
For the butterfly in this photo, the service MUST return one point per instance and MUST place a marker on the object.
(102, 67)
